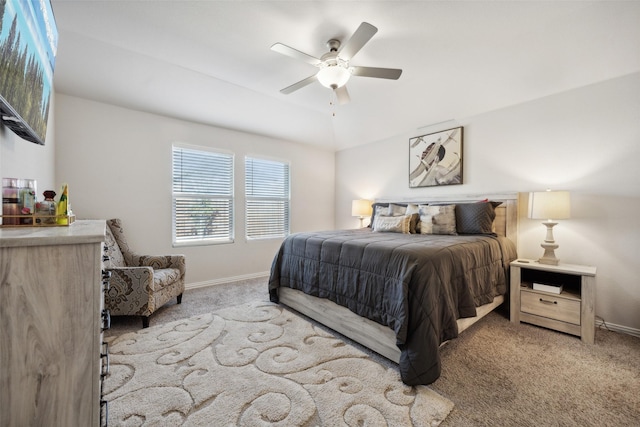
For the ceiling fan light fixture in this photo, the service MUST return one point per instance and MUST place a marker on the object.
(333, 76)
(333, 67)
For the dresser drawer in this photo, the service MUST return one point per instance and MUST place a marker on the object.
(552, 306)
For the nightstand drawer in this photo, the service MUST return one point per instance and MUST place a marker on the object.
(551, 306)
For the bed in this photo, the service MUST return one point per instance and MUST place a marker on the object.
(408, 283)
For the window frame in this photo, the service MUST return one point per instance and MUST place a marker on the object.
(230, 197)
(286, 217)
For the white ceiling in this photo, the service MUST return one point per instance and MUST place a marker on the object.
(210, 61)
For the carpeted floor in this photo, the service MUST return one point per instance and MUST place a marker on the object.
(496, 373)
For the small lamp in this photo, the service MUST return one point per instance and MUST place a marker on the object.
(361, 208)
(549, 205)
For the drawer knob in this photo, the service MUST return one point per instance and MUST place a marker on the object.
(547, 301)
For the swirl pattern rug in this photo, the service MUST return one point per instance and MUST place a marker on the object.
(256, 364)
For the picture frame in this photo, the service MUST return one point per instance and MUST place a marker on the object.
(436, 158)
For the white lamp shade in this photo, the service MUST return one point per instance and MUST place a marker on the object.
(549, 205)
(333, 76)
(361, 207)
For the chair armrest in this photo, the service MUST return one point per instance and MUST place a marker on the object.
(130, 290)
(161, 261)
(143, 275)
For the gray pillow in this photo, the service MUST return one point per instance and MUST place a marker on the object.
(476, 218)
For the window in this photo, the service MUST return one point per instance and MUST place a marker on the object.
(202, 196)
(267, 198)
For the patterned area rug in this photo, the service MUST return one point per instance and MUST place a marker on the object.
(256, 364)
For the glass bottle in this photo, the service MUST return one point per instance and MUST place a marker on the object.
(27, 200)
(10, 202)
(46, 209)
(62, 210)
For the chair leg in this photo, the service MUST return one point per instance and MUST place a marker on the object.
(145, 322)
(180, 299)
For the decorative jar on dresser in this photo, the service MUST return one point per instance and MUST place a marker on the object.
(560, 297)
(52, 356)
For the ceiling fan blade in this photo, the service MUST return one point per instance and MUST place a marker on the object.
(342, 95)
(380, 73)
(302, 83)
(293, 53)
(362, 35)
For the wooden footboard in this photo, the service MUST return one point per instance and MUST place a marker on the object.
(372, 335)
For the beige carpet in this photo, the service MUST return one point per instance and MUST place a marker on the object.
(256, 364)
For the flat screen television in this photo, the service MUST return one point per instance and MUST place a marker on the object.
(28, 44)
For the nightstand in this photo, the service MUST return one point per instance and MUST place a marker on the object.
(572, 311)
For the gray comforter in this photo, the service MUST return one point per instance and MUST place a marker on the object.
(417, 285)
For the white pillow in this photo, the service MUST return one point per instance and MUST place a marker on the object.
(412, 208)
(397, 210)
(392, 224)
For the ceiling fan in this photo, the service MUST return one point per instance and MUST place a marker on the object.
(334, 68)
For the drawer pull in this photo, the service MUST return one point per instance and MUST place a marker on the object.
(104, 356)
(547, 301)
(106, 320)
(104, 412)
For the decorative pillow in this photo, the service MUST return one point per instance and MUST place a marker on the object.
(476, 218)
(438, 219)
(414, 223)
(392, 224)
(397, 210)
(378, 209)
(412, 209)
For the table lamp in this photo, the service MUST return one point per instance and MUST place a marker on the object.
(549, 205)
(361, 208)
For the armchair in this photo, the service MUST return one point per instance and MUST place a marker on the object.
(140, 284)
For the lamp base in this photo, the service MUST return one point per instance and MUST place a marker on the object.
(549, 256)
(549, 246)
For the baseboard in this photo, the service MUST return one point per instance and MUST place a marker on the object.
(224, 280)
(617, 328)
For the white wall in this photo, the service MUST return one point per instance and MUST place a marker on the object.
(23, 159)
(117, 163)
(586, 140)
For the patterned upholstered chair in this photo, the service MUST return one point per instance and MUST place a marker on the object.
(140, 284)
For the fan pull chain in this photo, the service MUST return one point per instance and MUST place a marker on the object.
(333, 100)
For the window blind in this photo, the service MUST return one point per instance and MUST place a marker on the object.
(202, 196)
(266, 198)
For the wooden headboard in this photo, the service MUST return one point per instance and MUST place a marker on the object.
(506, 222)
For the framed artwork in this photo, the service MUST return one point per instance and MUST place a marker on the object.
(436, 159)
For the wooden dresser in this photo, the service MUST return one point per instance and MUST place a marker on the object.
(51, 323)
